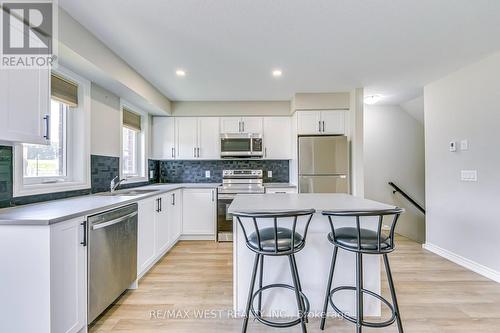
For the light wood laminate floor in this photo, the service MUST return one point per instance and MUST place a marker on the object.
(435, 295)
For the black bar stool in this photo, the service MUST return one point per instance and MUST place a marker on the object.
(275, 240)
(363, 241)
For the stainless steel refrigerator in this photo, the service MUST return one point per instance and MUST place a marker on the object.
(323, 164)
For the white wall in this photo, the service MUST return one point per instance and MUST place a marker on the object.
(232, 108)
(105, 122)
(462, 217)
(394, 151)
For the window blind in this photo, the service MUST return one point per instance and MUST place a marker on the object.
(131, 120)
(64, 90)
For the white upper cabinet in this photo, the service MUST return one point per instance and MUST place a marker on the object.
(277, 138)
(197, 138)
(320, 122)
(187, 137)
(252, 124)
(230, 125)
(308, 122)
(333, 122)
(24, 104)
(208, 138)
(163, 137)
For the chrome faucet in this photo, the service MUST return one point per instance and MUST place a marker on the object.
(114, 185)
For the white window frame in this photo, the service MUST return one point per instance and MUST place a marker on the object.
(142, 147)
(77, 149)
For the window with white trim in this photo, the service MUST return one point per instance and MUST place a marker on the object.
(64, 163)
(134, 129)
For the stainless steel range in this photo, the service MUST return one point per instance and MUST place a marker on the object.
(234, 182)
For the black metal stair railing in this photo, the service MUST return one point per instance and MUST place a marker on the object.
(406, 196)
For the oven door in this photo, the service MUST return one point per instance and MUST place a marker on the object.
(231, 147)
(224, 219)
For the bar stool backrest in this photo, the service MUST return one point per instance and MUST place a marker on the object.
(380, 214)
(254, 223)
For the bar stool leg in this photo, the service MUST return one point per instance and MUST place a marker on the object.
(359, 293)
(300, 287)
(250, 292)
(297, 293)
(328, 288)
(261, 273)
(393, 293)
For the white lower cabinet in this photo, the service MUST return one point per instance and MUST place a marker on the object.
(199, 213)
(146, 242)
(174, 212)
(162, 225)
(68, 271)
(159, 227)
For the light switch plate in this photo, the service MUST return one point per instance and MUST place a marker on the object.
(452, 146)
(207, 173)
(151, 174)
(269, 174)
(468, 175)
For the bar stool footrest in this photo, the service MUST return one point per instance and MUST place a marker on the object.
(363, 322)
(273, 323)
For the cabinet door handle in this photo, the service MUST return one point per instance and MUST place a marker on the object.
(194, 152)
(319, 125)
(161, 205)
(84, 225)
(213, 196)
(173, 153)
(173, 199)
(265, 152)
(323, 126)
(243, 126)
(47, 127)
(198, 151)
(239, 126)
(158, 205)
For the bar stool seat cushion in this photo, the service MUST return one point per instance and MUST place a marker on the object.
(348, 237)
(267, 241)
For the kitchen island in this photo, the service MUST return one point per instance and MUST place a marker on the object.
(313, 261)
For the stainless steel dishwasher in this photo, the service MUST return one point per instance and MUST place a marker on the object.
(112, 257)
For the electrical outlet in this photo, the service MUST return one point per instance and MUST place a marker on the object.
(207, 173)
(151, 174)
(269, 174)
(464, 145)
(452, 146)
(468, 175)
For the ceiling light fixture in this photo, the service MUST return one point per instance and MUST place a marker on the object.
(277, 73)
(372, 99)
(180, 72)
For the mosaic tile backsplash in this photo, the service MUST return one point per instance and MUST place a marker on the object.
(194, 171)
(105, 168)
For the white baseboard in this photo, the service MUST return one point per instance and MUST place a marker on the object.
(464, 262)
(197, 237)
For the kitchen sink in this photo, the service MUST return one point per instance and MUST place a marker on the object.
(127, 193)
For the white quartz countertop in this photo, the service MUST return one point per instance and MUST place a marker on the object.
(297, 201)
(60, 210)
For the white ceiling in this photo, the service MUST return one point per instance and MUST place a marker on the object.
(229, 47)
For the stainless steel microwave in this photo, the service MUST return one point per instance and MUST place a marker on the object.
(241, 145)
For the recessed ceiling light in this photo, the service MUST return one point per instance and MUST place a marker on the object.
(277, 73)
(372, 99)
(180, 72)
